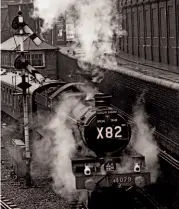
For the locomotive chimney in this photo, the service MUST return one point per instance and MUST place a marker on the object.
(102, 100)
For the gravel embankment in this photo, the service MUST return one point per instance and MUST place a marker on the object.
(41, 196)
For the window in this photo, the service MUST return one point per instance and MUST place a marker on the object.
(5, 59)
(13, 57)
(27, 57)
(36, 59)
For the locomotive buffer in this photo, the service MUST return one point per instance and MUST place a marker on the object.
(20, 63)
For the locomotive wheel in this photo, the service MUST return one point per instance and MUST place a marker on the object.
(110, 198)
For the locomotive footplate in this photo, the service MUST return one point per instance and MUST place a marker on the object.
(125, 180)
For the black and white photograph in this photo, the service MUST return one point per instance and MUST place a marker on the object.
(89, 104)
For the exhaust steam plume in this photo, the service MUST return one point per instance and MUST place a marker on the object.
(57, 149)
(97, 24)
(143, 139)
(59, 146)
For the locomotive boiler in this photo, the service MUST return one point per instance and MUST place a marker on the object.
(97, 127)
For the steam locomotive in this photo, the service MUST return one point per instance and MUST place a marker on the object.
(97, 126)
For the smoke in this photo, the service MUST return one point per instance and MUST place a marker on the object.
(143, 139)
(95, 27)
(50, 11)
(57, 149)
(97, 23)
(60, 145)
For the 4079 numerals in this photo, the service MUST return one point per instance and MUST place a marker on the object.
(124, 179)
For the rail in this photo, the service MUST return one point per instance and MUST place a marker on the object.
(78, 205)
(7, 204)
(4, 205)
(168, 158)
(84, 206)
(151, 201)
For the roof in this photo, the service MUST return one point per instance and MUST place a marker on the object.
(28, 44)
(11, 78)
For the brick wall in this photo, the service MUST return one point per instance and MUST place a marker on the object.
(68, 69)
(51, 63)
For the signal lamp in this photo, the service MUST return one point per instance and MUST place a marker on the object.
(87, 170)
(20, 63)
(136, 167)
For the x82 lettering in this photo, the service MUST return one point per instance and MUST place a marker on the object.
(109, 132)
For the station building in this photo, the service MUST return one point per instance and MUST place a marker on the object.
(43, 57)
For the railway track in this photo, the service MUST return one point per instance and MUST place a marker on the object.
(142, 200)
(145, 200)
(7, 204)
(168, 158)
(78, 205)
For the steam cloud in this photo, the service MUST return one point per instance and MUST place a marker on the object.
(58, 148)
(143, 140)
(95, 23)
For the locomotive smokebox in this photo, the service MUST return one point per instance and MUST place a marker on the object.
(106, 131)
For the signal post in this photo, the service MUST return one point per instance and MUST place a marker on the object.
(20, 63)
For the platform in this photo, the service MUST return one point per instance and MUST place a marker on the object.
(147, 67)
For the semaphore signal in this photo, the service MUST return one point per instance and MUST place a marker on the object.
(19, 23)
(20, 63)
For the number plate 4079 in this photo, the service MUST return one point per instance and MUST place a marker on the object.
(123, 179)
